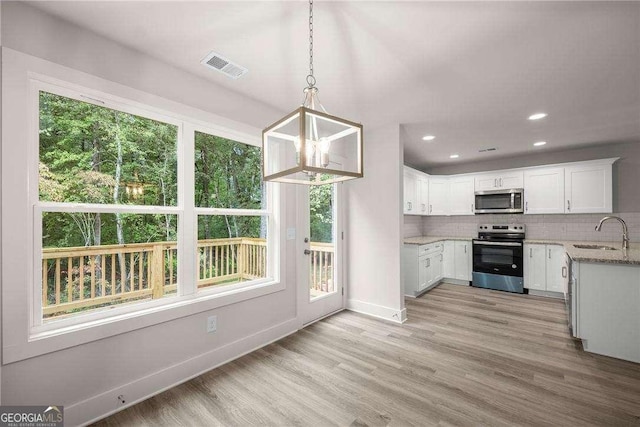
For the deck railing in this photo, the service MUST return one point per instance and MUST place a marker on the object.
(82, 278)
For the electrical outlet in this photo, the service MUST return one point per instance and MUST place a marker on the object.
(212, 324)
(121, 400)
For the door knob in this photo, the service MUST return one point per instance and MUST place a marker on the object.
(307, 252)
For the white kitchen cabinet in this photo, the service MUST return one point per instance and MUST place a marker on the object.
(461, 195)
(544, 191)
(438, 196)
(423, 194)
(588, 188)
(448, 263)
(421, 267)
(463, 260)
(410, 192)
(545, 268)
(501, 180)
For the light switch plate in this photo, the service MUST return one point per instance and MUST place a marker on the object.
(212, 324)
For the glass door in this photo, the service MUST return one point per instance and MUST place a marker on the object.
(320, 267)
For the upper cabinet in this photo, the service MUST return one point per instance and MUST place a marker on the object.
(497, 181)
(438, 196)
(461, 195)
(580, 187)
(544, 191)
(588, 188)
(410, 205)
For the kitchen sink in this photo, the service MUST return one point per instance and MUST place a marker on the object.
(599, 247)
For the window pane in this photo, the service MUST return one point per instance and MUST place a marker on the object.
(228, 174)
(94, 261)
(231, 249)
(93, 154)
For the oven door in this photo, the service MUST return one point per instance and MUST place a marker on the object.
(495, 257)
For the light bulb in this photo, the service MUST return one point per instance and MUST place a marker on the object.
(325, 146)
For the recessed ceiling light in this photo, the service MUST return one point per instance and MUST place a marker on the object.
(539, 143)
(537, 116)
(428, 138)
(454, 156)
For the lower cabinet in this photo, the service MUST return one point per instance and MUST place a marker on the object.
(546, 268)
(424, 266)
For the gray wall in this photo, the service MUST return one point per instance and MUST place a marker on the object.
(626, 171)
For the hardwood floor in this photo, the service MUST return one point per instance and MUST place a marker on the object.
(466, 356)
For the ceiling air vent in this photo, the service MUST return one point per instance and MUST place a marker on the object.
(220, 63)
(484, 150)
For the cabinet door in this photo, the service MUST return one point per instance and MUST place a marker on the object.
(463, 260)
(448, 263)
(461, 196)
(437, 262)
(535, 271)
(423, 195)
(544, 191)
(486, 182)
(588, 189)
(513, 179)
(423, 272)
(555, 270)
(438, 196)
(410, 193)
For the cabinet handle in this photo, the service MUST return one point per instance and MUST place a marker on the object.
(564, 272)
(530, 252)
(428, 262)
(526, 206)
(465, 249)
(549, 253)
(495, 183)
(471, 207)
(500, 182)
(430, 208)
(410, 206)
(569, 205)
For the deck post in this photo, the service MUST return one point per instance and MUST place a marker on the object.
(157, 271)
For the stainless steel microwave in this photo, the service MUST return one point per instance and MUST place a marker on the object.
(500, 201)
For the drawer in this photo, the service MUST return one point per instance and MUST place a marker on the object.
(430, 248)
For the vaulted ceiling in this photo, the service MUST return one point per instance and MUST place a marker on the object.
(469, 73)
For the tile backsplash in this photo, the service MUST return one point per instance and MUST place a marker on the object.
(561, 227)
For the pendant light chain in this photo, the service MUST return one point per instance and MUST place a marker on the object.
(311, 80)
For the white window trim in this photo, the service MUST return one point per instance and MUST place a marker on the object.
(56, 335)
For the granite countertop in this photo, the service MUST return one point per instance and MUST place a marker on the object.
(425, 240)
(618, 256)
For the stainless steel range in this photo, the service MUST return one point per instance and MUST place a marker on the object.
(497, 257)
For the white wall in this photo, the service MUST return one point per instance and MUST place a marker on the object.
(87, 378)
(374, 223)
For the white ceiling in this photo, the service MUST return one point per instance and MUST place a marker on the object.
(469, 73)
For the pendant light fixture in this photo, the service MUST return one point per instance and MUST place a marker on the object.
(309, 146)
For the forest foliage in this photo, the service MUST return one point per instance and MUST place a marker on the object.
(93, 154)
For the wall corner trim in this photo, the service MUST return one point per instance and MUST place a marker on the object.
(104, 404)
(377, 311)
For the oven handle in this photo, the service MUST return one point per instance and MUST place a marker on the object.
(475, 242)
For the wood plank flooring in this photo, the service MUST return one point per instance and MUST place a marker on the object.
(466, 356)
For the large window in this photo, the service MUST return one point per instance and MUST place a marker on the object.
(113, 209)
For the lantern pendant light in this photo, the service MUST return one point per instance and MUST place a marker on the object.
(309, 146)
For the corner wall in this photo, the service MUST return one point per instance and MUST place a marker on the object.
(374, 224)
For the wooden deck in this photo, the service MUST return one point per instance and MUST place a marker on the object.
(466, 356)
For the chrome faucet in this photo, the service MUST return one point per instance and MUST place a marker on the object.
(625, 232)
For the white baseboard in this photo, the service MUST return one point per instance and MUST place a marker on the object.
(455, 282)
(102, 405)
(379, 311)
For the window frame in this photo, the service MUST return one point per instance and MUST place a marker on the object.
(188, 300)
